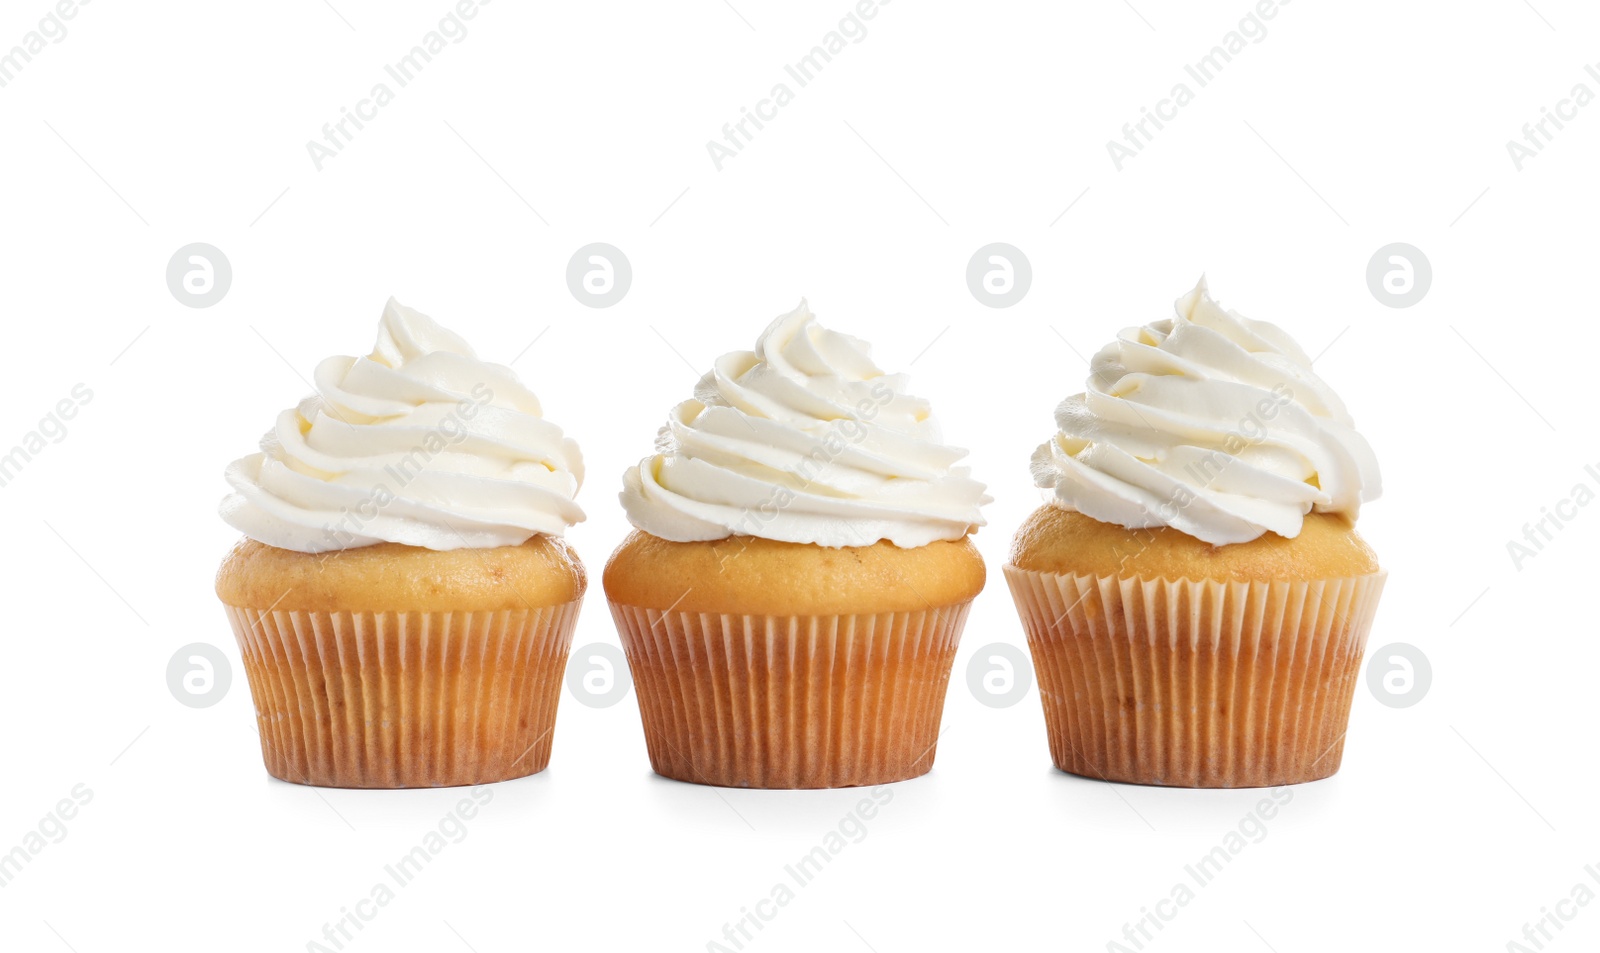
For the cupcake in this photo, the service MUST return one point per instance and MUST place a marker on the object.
(1195, 595)
(402, 596)
(791, 599)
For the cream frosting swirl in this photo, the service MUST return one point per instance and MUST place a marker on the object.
(1210, 423)
(803, 440)
(419, 442)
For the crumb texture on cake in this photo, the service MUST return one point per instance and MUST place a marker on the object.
(748, 575)
(389, 577)
(1058, 540)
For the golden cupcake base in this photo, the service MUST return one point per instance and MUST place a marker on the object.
(405, 699)
(766, 664)
(393, 666)
(787, 701)
(1204, 684)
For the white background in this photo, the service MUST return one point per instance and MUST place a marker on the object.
(947, 127)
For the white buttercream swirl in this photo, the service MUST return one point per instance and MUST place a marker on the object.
(1210, 423)
(803, 440)
(419, 443)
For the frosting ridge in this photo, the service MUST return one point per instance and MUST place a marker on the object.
(1210, 423)
(805, 440)
(419, 443)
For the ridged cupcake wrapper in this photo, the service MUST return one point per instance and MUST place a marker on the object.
(405, 699)
(790, 701)
(1205, 684)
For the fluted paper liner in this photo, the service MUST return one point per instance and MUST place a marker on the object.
(1206, 684)
(405, 699)
(768, 701)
